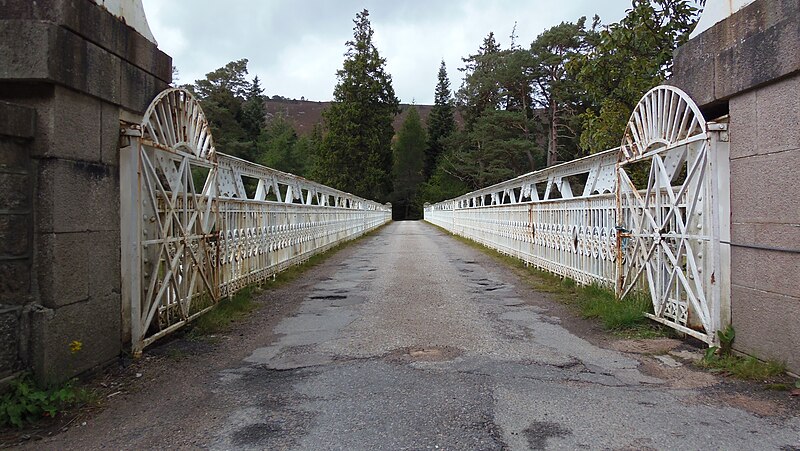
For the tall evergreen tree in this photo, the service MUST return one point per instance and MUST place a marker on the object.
(409, 162)
(441, 121)
(480, 90)
(356, 154)
(223, 93)
(253, 110)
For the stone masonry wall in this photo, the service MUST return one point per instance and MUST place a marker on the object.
(749, 65)
(17, 128)
(80, 69)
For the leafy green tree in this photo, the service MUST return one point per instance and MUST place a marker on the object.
(627, 59)
(409, 162)
(441, 121)
(355, 154)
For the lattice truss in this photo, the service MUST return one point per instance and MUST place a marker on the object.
(561, 218)
(204, 224)
(272, 219)
(647, 217)
(669, 210)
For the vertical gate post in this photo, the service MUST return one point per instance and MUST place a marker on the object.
(130, 234)
(720, 200)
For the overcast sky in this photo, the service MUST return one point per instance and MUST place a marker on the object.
(296, 46)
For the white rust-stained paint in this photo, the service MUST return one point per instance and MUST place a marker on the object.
(132, 13)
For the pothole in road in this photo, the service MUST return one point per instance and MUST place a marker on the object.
(424, 354)
(328, 297)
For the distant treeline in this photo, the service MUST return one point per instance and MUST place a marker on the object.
(567, 94)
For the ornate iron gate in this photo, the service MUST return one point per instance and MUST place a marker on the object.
(673, 224)
(652, 216)
(192, 231)
(168, 183)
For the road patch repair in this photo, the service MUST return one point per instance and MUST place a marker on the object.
(410, 339)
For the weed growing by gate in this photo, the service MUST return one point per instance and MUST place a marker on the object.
(722, 360)
(601, 303)
(741, 367)
(26, 402)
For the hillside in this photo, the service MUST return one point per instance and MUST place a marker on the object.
(304, 114)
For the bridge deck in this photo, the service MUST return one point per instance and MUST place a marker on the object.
(412, 340)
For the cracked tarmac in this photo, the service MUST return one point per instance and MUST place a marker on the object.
(416, 341)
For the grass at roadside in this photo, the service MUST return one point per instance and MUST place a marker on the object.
(742, 367)
(624, 318)
(240, 305)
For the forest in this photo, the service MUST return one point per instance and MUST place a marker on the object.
(566, 94)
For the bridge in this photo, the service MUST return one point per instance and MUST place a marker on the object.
(122, 223)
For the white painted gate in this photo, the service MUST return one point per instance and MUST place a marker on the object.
(651, 216)
(674, 227)
(193, 233)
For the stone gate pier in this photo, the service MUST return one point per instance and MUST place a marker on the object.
(748, 66)
(70, 70)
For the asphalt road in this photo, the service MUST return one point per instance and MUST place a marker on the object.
(412, 340)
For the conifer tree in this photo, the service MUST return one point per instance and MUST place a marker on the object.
(441, 122)
(356, 154)
(409, 162)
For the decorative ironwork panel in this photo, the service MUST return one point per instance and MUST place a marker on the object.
(670, 212)
(651, 216)
(198, 225)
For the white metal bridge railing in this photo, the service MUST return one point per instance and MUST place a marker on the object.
(198, 225)
(652, 215)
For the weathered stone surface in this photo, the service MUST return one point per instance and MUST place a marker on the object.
(92, 22)
(743, 125)
(785, 236)
(65, 58)
(766, 324)
(73, 124)
(14, 235)
(765, 188)
(14, 195)
(64, 268)
(95, 324)
(14, 153)
(77, 196)
(138, 88)
(9, 333)
(15, 281)
(104, 248)
(17, 121)
(778, 112)
(756, 268)
(758, 44)
(24, 50)
(109, 134)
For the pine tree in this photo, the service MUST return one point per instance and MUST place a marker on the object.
(409, 162)
(441, 122)
(355, 154)
(253, 111)
(480, 90)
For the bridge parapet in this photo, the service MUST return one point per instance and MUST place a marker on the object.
(198, 225)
